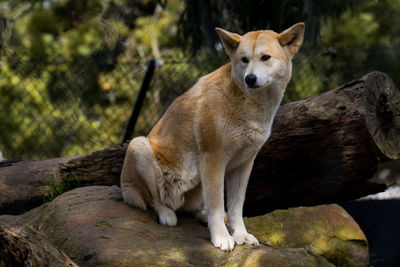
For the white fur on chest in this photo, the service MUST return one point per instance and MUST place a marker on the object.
(246, 141)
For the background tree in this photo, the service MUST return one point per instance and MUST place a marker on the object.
(344, 39)
(199, 18)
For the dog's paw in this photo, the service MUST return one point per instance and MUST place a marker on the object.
(245, 238)
(168, 217)
(224, 242)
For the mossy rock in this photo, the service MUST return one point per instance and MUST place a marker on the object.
(95, 228)
(326, 230)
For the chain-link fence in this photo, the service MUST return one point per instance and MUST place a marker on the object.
(52, 109)
(66, 108)
(314, 71)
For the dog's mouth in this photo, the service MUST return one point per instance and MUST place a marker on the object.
(257, 85)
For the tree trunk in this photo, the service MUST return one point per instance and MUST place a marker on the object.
(321, 150)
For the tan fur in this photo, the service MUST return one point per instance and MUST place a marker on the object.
(211, 134)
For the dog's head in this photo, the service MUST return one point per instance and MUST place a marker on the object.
(262, 58)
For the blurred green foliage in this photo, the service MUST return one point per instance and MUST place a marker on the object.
(70, 70)
(361, 39)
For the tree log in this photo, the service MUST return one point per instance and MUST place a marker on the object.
(325, 148)
(321, 150)
(25, 246)
(26, 184)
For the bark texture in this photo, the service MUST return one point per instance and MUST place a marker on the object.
(322, 150)
(25, 246)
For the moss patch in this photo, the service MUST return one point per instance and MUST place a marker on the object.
(324, 230)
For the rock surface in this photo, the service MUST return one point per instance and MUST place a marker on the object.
(95, 228)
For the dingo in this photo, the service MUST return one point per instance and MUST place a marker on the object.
(211, 134)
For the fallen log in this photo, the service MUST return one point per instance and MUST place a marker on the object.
(25, 246)
(28, 184)
(321, 150)
(325, 148)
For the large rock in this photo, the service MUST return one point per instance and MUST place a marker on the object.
(95, 228)
(326, 230)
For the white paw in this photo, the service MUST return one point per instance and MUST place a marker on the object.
(245, 238)
(223, 241)
(168, 217)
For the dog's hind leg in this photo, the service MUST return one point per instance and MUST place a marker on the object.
(194, 203)
(139, 180)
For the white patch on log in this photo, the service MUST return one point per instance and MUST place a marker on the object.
(2, 156)
(392, 192)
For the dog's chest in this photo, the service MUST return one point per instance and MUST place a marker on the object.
(250, 128)
(255, 134)
(246, 140)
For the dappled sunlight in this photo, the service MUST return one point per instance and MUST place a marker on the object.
(277, 238)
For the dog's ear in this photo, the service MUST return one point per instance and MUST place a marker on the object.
(229, 40)
(292, 38)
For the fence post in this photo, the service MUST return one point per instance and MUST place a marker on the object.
(139, 100)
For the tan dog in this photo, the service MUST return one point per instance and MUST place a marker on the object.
(211, 135)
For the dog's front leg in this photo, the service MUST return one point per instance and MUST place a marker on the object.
(236, 185)
(212, 178)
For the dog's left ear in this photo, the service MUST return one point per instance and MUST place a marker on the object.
(229, 40)
(292, 38)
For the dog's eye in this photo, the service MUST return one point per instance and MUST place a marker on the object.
(265, 57)
(245, 60)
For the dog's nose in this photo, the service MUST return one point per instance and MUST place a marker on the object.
(250, 80)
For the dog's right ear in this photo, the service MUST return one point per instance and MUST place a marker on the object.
(229, 40)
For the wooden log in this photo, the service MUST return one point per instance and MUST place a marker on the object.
(325, 148)
(321, 150)
(25, 246)
(26, 184)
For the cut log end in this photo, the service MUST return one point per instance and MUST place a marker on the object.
(382, 103)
